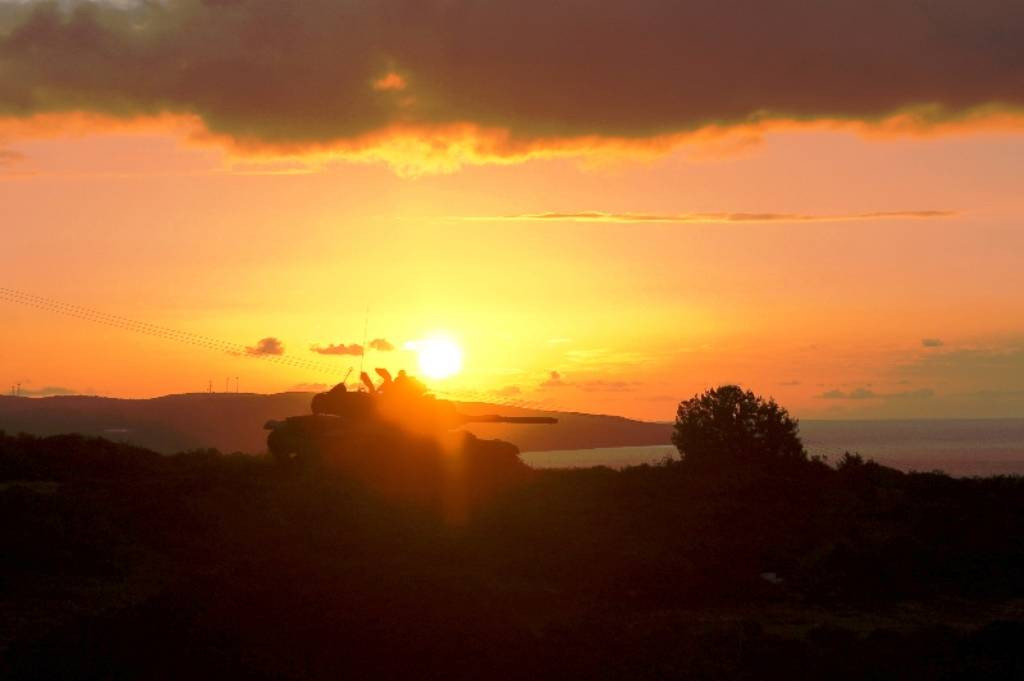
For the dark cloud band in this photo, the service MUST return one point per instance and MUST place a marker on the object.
(322, 72)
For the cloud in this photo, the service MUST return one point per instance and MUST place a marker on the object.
(919, 394)
(48, 391)
(593, 358)
(310, 387)
(508, 391)
(857, 394)
(981, 381)
(339, 349)
(659, 398)
(391, 81)
(705, 218)
(381, 345)
(868, 394)
(502, 79)
(997, 394)
(599, 385)
(996, 366)
(378, 344)
(266, 346)
(10, 157)
(554, 380)
(790, 383)
(932, 342)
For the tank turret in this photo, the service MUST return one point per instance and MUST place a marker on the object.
(341, 402)
(355, 422)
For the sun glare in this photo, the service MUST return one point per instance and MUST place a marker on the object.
(438, 356)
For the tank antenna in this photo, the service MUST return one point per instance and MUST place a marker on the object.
(366, 328)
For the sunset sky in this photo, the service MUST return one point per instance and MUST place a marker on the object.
(609, 206)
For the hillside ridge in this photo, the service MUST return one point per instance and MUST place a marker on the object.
(180, 422)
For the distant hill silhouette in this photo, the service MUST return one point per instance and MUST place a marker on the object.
(233, 422)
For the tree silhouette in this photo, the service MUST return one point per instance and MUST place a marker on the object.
(730, 427)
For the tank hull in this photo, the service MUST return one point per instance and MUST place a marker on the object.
(451, 470)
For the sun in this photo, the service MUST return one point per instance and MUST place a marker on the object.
(439, 356)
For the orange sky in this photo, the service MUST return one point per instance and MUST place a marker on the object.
(848, 269)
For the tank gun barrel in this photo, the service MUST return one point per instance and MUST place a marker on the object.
(494, 418)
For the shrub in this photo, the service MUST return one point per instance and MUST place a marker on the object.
(730, 427)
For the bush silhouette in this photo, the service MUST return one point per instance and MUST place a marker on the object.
(727, 427)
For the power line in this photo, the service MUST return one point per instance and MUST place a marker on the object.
(185, 337)
(235, 349)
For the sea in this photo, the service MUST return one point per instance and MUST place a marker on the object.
(958, 447)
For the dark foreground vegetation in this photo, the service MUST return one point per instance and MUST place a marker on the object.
(118, 563)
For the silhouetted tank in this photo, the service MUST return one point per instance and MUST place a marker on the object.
(402, 442)
(345, 423)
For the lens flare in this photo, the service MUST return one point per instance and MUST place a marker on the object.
(438, 356)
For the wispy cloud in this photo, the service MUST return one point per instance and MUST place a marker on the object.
(310, 387)
(593, 385)
(47, 391)
(603, 358)
(998, 394)
(554, 380)
(932, 342)
(338, 349)
(10, 157)
(381, 345)
(710, 218)
(355, 349)
(607, 386)
(997, 365)
(868, 394)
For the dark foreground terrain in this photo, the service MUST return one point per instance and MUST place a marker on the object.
(117, 563)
